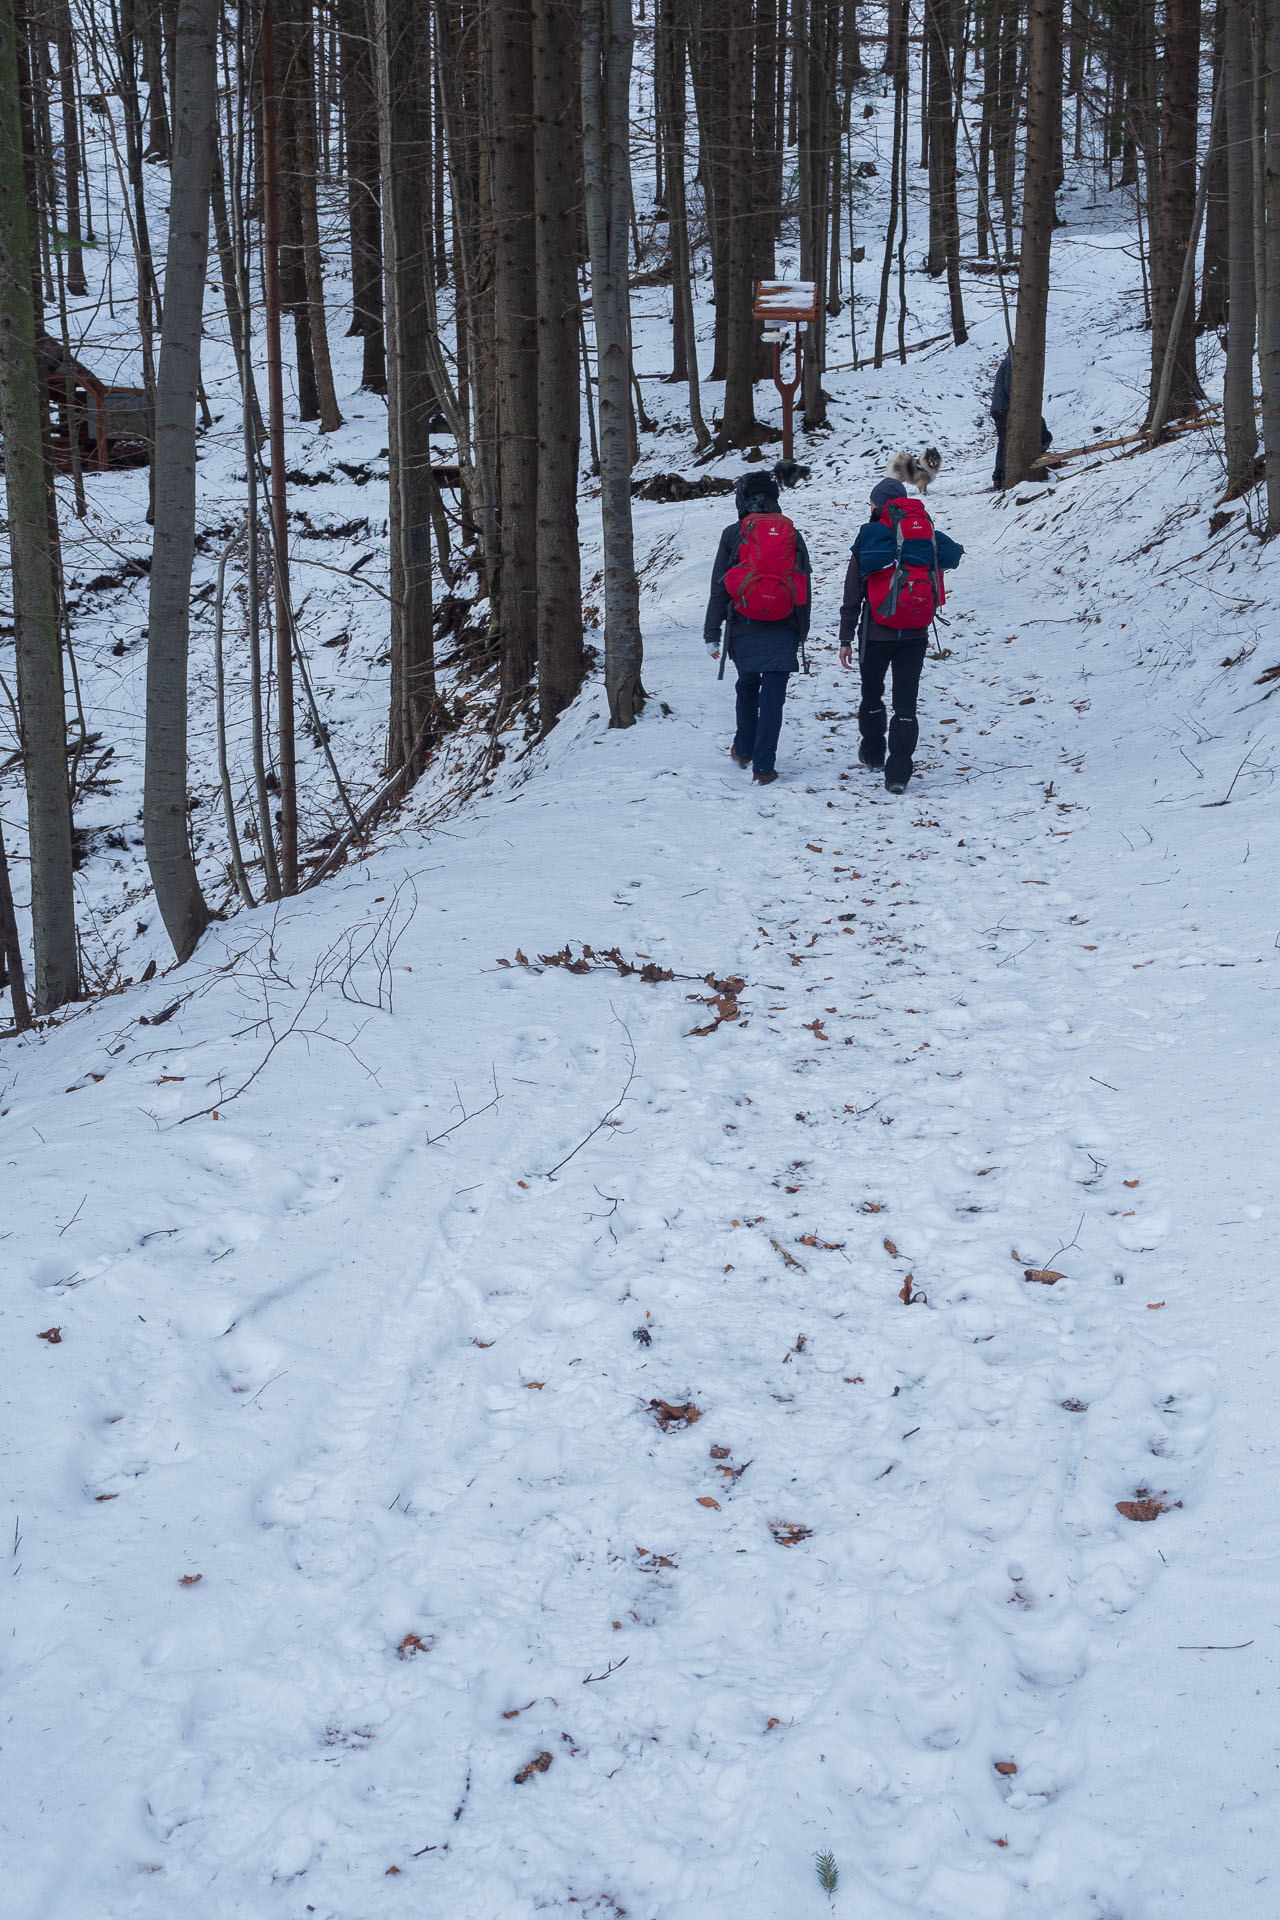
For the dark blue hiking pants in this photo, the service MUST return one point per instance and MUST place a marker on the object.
(760, 698)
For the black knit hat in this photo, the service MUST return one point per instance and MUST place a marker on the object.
(755, 493)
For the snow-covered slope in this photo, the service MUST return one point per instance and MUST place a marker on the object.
(487, 1464)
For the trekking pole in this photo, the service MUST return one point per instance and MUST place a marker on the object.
(724, 655)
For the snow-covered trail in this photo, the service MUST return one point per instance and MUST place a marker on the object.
(395, 1402)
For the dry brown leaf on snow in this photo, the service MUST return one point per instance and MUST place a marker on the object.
(1006, 1766)
(788, 1259)
(191, 1580)
(1043, 1276)
(651, 1562)
(1133, 1183)
(815, 1027)
(789, 1533)
(669, 1414)
(1146, 1506)
(412, 1644)
(705, 1500)
(891, 1250)
(539, 1764)
(721, 1453)
(53, 1335)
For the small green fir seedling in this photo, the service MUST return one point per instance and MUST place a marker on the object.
(824, 1865)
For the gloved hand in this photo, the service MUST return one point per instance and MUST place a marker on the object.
(713, 649)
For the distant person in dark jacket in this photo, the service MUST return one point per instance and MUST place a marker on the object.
(1000, 414)
(764, 651)
(885, 654)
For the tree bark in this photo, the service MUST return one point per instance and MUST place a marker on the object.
(403, 104)
(1177, 196)
(71, 159)
(1240, 429)
(1044, 75)
(1215, 271)
(557, 184)
(300, 88)
(1269, 345)
(164, 804)
(678, 207)
(41, 698)
(287, 758)
(737, 239)
(364, 211)
(12, 973)
(516, 329)
(607, 45)
(944, 211)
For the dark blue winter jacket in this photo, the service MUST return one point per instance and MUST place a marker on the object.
(755, 646)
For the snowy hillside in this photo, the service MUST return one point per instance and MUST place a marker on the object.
(651, 1328)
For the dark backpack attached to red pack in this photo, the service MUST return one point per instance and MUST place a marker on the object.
(909, 592)
(766, 584)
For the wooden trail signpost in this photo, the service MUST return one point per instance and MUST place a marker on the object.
(781, 304)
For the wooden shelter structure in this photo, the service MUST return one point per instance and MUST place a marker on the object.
(109, 423)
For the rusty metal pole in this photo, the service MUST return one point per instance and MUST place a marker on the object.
(788, 390)
(279, 500)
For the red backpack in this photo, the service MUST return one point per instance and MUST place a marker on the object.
(766, 584)
(906, 594)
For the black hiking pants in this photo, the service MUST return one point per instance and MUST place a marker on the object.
(901, 662)
(1002, 429)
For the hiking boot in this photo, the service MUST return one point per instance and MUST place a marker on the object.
(765, 779)
(898, 785)
(739, 759)
(871, 753)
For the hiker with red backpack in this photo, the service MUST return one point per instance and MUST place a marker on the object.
(760, 596)
(891, 592)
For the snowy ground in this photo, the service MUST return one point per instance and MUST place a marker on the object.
(344, 1499)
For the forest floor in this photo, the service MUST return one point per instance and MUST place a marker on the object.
(488, 1437)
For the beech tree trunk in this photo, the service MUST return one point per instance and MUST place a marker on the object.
(41, 698)
(403, 104)
(1215, 271)
(557, 183)
(301, 87)
(608, 40)
(1240, 429)
(1269, 353)
(364, 209)
(12, 972)
(944, 212)
(1177, 196)
(164, 804)
(737, 238)
(516, 334)
(71, 158)
(1044, 101)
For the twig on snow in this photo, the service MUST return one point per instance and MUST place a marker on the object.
(437, 1138)
(611, 1668)
(605, 1118)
